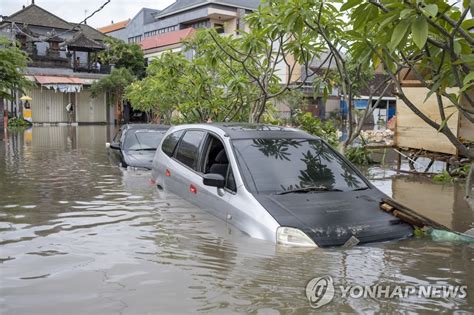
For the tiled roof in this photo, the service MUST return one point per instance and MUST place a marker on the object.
(81, 40)
(34, 15)
(92, 33)
(181, 5)
(114, 27)
(166, 39)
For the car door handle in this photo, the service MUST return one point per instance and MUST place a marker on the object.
(192, 189)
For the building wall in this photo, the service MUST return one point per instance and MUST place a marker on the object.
(332, 105)
(48, 106)
(121, 34)
(156, 53)
(413, 132)
(90, 110)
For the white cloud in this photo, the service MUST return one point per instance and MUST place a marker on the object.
(74, 10)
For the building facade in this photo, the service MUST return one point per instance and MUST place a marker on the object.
(157, 31)
(63, 65)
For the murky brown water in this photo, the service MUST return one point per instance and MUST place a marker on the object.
(79, 235)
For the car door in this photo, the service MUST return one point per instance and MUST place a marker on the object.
(217, 201)
(181, 175)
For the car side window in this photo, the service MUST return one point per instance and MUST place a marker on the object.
(169, 144)
(118, 136)
(188, 149)
(230, 181)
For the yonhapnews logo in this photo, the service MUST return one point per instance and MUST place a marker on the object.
(321, 290)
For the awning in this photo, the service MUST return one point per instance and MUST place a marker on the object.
(43, 79)
(61, 84)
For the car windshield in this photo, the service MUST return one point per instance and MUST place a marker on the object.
(294, 165)
(143, 139)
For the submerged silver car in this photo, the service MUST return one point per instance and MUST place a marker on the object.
(278, 184)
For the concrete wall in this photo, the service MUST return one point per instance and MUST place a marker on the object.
(332, 105)
(91, 110)
(121, 34)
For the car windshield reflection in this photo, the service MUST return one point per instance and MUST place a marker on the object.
(283, 166)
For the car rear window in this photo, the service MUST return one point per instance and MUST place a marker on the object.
(188, 150)
(169, 144)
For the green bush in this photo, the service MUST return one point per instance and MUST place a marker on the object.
(449, 177)
(359, 155)
(314, 126)
(19, 122)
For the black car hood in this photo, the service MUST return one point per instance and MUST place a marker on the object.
(331, 218)
(135, 158)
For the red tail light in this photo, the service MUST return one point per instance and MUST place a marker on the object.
(193, 189)
(168, 173)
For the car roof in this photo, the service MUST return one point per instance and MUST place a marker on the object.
(256, 131)
(144, 127)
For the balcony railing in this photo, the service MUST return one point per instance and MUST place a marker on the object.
(91, 68)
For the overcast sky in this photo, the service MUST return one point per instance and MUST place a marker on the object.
(74, 10)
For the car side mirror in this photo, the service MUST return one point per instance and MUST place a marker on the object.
(214, 180)
(114, 145)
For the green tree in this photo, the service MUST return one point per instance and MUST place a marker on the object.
(430, 39)
(114, 84)
(12, 61)
(207, 86)
(275, 55)
(124, 55)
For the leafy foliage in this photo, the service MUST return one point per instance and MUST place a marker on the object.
(19, 122)
(317, 127)
(359, 155)
(12, 60)
(124, 55)
(429, 40)
(206, 86)
(114, 84)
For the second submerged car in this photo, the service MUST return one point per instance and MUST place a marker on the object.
(134, 145)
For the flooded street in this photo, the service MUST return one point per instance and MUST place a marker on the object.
(80, 235)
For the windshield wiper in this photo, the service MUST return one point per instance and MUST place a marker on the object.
(145, 149)
(307, 189)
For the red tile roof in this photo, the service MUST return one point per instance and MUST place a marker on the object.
(166, 39)
(114, 27)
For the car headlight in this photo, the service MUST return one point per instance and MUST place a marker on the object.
(293, 237)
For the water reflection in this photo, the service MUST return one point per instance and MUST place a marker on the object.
(80, 235)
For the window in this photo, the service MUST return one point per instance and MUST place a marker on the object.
(230, 181)
(135, 39)
(215, 161)
(142, 140)
(219, 28)
(118, 138)
(161, 31)
(188, 149)
(169, 144)
(278, 165)
(200, 24)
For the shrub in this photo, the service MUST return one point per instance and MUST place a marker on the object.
(359, 155)
(314, 126)
(19, 122)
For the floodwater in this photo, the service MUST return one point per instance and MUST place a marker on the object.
(79, 235)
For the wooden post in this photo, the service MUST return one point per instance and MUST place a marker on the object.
(399, 162)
